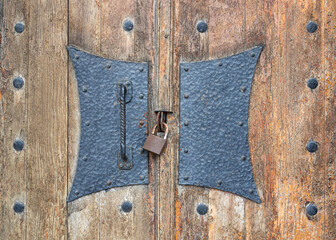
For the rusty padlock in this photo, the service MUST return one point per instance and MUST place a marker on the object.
(155, 143)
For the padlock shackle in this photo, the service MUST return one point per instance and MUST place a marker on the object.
(166, 130)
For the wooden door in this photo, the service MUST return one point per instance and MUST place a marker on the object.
(40, 118)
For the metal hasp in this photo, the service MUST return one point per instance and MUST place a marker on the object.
(99, 159)
(214, 108)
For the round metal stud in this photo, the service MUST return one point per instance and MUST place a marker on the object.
(126, 206)
(219, 182)
(18, 207)
(312, 83)
(108, 182)
(186, 69)
(84, 89)
(128, 25)
(142, 177)
(311, 27)
(18, 145)
(251, 191)
(186, 95)
(311, 210)
(141, 96)
(141, 69)
(186, 178)
(18, 82)
(87, 123)
(186, 150)
(240, 123)
(243, 158)
(312, 146)
(19, 27)
(252, 54)
(202, 26)
(186, 123)
(76, 192)
(202, 209)
(243, 89)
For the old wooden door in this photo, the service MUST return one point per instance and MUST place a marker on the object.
(40, 118)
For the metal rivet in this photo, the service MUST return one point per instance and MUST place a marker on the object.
(202, 209)
(311, 210)
(142, 177)
(126, 206)
(18, 82)
(186, 150)
(186, 178)
(108, 66)
(312, 83)
(77, 57)
(220, 64)
(243, 158)
(87, 123)
(312, 146)
(109, 182)
(240, 123)
(128, 25)
(251, 191)
(252, 54)
(219, 182)
(76, 192)
(121, 165)
(243, 89)
(128, 165)
(186, 123)
(202, 26)
(18, 207)
(141, 69)
(312, 27)
(85, 158)
(141, 96)
(84, 89)
(18, 145)
(19, 27)
(186, 69)
(186, 95)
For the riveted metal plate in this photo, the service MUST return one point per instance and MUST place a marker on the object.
(97, 165)
(214, 124)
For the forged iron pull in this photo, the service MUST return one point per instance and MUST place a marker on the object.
(122, 99)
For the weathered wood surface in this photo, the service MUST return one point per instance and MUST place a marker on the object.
(284, 115)
(96, 26)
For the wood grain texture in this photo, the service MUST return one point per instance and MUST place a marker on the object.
(13, 119)
(47, 121)
(190, 45)
(96, 26)
(284, 115)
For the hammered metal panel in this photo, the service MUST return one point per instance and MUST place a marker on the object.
(97, 164)
(214, 109)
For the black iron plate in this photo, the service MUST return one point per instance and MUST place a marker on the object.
(97, 165)
(214, 109)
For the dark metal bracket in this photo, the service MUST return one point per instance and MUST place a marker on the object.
(100, 165)
(214, 107)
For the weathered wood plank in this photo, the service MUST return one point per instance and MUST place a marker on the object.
(83, 214)
(227, 35)
(13, 115)
(190, 45)
(329, 78)
(102, 211)
(47, 120)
